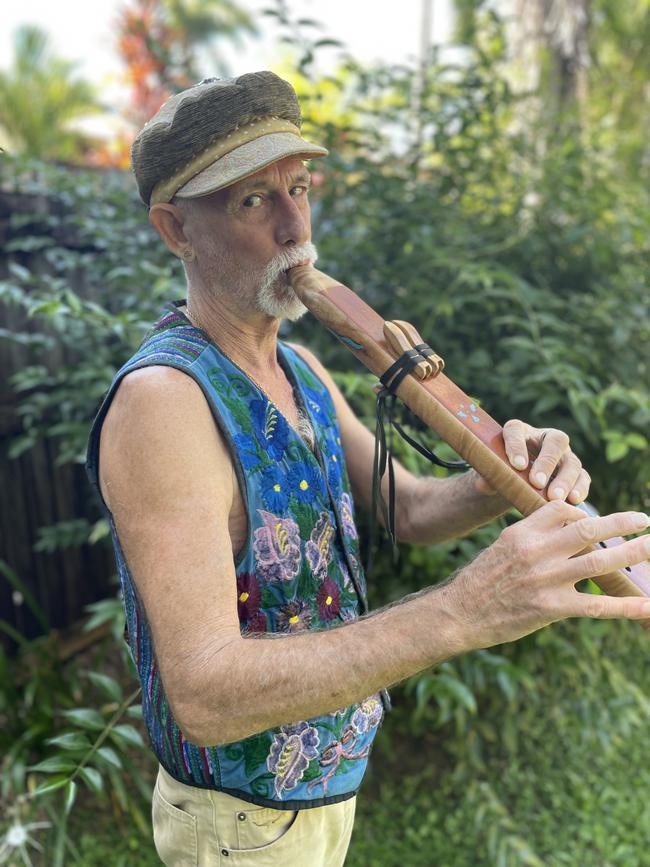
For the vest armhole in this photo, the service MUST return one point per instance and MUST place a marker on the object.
(92, 462)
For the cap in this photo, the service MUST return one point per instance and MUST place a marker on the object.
(217, 133)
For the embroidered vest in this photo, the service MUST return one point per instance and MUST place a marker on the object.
(299, 569)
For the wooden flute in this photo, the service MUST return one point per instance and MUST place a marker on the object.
(437, 401)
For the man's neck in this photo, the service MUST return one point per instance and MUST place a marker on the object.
(248, 337)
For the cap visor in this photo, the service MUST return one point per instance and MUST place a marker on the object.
(246, 160)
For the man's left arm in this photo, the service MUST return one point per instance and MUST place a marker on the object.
(430, 509)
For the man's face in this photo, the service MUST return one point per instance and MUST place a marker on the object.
(247, 235)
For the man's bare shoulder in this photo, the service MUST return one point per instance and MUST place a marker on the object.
(158, 431)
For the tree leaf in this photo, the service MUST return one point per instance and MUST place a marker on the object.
(110, 756)
(128, 734)
(52, 765)
(70, 795)
(108, 685)
(85, 717)
(92, 777)
(70, 741)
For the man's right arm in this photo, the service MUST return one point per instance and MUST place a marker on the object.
(170, 481)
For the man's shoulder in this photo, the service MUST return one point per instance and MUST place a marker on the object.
(154, 407)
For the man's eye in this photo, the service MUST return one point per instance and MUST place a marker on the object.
(296, 191)
(253, 201)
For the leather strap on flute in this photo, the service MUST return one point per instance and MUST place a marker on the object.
(436, 400)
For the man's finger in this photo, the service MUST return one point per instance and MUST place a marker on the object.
(567, 477)
(514, 440)
(606, 607)
(600, 561)
(554, 446)
(554, 515)
(581, 488)
(575, 537)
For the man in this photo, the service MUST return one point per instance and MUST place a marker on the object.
(229, 465)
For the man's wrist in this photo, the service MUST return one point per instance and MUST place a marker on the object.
(486, 496)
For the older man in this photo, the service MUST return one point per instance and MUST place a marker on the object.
(230, 469)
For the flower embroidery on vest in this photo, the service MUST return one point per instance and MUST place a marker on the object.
(257, 623)
(328, 600)
(277, 547)
(318, 548)
(368, 715)
(249, 596)
(291, 751)
(345, 508)
(304, 482)
(247, 451)
(274, 489)
(294, 616)
(270, 427)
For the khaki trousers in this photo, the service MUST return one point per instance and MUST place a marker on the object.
(195, 827)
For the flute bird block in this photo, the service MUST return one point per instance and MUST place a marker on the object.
(437, 363)
(400, 343)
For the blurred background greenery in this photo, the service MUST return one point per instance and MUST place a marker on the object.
(496, 196)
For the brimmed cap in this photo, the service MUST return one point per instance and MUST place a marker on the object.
(216, 133)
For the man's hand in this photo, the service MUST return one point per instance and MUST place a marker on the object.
(547, 454)
(526, 579)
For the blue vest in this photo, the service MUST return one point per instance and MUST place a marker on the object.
(299, 569)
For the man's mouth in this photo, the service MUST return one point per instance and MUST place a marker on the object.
(297, 265)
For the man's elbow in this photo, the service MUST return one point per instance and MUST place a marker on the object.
(202, 699)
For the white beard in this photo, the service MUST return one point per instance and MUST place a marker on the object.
(275, 297)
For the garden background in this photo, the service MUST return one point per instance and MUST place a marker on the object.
(495, 193)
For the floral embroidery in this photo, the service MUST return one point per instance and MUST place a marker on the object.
(334, 753)
(314, 402)
(257, 623)
(347, 516)
(294, 616)
(247, 451)
(347, 581)
(277, 548)
(368, 715)
(249, 596)
(304, 482)
(274, 489)
(271, 428)
(291, 751)
(328, 600)
(318, 548)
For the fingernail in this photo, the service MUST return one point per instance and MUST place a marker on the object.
(520, 462)
(575, 494)
(641, 520)
(540, 478)
(558, 493)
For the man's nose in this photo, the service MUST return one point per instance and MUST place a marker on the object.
(293, 224)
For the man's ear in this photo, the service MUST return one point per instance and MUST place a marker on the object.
(168, 221)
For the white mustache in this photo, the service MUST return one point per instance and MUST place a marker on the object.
(289, 258)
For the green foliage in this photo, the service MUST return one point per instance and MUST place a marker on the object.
(529, 277)
(89, 230)
(39, 96)
(61, 724)
(560, 769)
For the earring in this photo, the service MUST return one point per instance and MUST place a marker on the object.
(188, 254)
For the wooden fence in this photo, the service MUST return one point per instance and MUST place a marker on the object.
(34, 492)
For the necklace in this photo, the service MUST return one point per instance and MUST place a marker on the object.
(305, 428)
